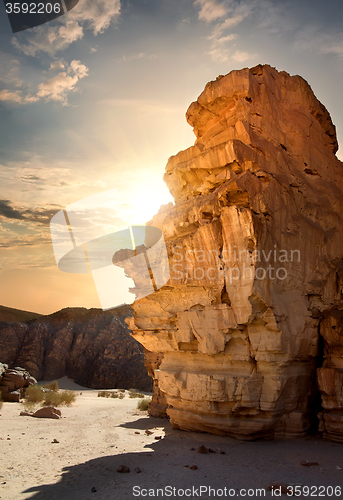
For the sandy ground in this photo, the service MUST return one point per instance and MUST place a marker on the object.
(97, 435)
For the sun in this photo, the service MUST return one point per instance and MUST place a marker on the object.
(145, 199)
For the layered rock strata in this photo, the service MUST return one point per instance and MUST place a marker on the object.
(13, 382)
(255, 245)
(90, 346)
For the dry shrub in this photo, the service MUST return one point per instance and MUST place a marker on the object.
(134, 394)
(143, 404)
(104, 394)
(110, 394)
(29, 406)
(53, 386)
(59, 398)
(34, 394)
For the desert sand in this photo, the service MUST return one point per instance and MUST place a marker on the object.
(97, 435)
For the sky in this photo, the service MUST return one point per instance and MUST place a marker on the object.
(96, 100)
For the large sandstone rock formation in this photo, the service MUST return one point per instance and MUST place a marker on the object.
(249, 327)
(90, 346)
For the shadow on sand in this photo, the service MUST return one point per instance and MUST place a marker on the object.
(166, 462)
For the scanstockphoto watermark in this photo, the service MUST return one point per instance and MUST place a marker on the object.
(233, 263)
(197, 491)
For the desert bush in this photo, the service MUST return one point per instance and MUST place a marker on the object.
(29, 406)
(68, 397)
(111, 394)
(34, 394)
(104, 394)
(53, 386)
(134, 394)
(143, 404)
(59, 398)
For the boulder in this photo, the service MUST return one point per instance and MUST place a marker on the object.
(47, 412)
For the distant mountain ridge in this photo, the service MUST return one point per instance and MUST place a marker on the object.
(91, 346)
(14, 315)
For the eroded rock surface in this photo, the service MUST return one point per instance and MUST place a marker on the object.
(90, 346)
(13, 382)
(255, 245)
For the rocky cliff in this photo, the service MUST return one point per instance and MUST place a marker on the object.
(248, 332)
(90, 346)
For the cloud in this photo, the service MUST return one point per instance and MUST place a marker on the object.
(16, 96)
(57, 65)
(88, 14)
(230, 22)
(218, 51)
(53, 89)
(133, 57)
(49, 39)
(39, 215)
(7, 95)
(268, 15)
(240, 56)
(9, 70)
(8, 212)
(97, 15)
(183, 24)
(225, 39)
(57, 87)
(313, 39)
(210, 10)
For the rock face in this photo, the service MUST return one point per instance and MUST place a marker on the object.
(248, 333)
(92, 347)
(13, 382)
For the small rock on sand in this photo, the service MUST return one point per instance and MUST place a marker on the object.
(123, 468)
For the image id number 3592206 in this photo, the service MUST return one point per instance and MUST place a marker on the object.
(312, 491)
(33, 8)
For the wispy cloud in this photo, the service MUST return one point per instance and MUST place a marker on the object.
(133, 57)
(88, 14)
(210, 10)
(230, 22)
(313, 39)
(16, 97)
(268, 15)
(7, 211)
(241, 56)
(9, 70)
(41, 215)
(49, 39)
(219, 50)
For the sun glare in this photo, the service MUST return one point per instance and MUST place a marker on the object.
(145, 200)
